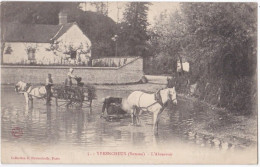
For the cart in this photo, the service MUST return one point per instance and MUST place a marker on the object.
(74, 96)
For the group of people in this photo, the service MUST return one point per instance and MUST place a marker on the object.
(49, 84)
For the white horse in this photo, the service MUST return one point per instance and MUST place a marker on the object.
(139, 101)
(30, 92)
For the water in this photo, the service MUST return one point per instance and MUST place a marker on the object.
(189, 123)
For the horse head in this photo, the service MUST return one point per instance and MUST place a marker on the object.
(172, 95)
(22, 86)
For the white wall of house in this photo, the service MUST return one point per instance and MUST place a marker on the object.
(74, 38)
(75, 35)
(19, 55)
(43, 55)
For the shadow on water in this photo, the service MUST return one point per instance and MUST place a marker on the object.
(189, 123)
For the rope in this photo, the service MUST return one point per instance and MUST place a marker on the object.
(150, 104)
(139, 99)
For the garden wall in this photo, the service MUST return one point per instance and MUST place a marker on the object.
(129, 73)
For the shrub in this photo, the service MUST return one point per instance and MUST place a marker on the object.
(241, 98)
(238, 96)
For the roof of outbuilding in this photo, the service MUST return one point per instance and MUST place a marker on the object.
(36, 33)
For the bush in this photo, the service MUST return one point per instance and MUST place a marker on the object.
(180, 81)
(160, 65)
(238, 96)
(241, 98)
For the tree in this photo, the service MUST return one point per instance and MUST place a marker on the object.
(133, 35)
(219, 40)
(167, 37)
(101, 7)
(223, 36)
(35, 12)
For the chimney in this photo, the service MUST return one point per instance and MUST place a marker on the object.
(62, 17)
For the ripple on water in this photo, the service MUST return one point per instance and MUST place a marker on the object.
(185, 123)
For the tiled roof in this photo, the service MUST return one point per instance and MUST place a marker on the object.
(36, 33)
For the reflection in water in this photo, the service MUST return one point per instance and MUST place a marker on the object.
(49, 124)
(186, 123)
(137, 138)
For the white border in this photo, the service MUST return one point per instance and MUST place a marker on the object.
(258, 61)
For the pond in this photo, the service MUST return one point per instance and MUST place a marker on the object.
(190, 123)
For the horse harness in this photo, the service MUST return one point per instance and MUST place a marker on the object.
(27, 87)
(157, 98)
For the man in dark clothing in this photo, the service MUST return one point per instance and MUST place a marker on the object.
(48, 84)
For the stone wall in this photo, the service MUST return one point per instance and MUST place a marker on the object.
(129, 73)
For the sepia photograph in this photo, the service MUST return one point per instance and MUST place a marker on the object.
(129, 82)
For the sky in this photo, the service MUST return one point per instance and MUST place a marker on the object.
(154, 10)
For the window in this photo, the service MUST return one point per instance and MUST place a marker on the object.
(73, 54)
(31, 53)
(8, 50)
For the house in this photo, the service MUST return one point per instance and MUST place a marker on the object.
(37, 44)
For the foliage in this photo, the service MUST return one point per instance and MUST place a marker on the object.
(34, 12)
(166, 40)
(133, 34)
(159, 65)
(219, 40)
(101, 7)
(221, 45)
(60, 47)
(222, 36)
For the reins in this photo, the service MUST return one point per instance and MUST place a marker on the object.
(159, 100)
(27, 88)
(156, 101)
(140, 98)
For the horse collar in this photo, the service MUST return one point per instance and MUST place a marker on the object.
(27, 87)
(158, 98)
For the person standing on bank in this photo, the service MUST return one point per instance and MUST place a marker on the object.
(48, 85)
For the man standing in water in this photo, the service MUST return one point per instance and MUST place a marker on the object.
(48, 84)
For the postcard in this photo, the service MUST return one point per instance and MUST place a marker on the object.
(129, 82)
